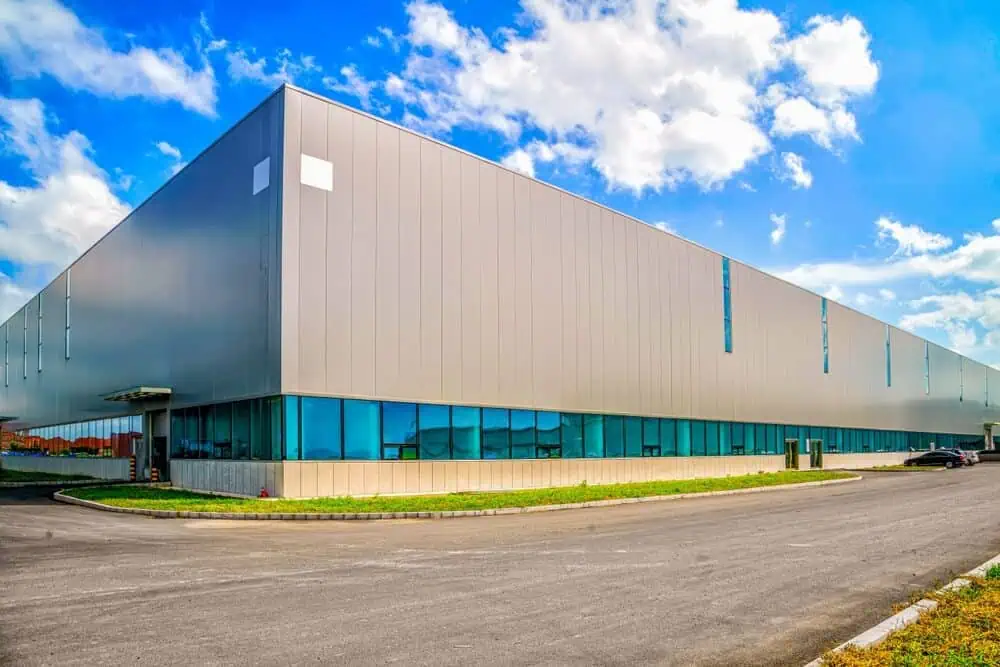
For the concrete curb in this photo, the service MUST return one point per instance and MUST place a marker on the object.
(368, 516)
(878, 634)
(72, 482)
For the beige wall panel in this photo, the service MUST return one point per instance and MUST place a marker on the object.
(451, 275)
(506, 291)
(569, 390)
(387, 323)
(339, 242)
(431, 271)
(364, 259)
(489, 292)
(410, 366)
(430, 275)
(470, 305)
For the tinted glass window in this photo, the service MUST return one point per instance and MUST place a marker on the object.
(593, 426)
(522, 434)
(465, 430)
(496, 433)
(683, 437)
(572, 435)
(361, 430)
(633, 436)
(668, 437)
(321, 437)
(435, 432)
(614, 435)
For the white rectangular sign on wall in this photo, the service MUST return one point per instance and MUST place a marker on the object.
(317, 173)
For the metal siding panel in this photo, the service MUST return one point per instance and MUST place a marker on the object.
(471, 267)
(582, 295)
(523, 288)
(451, 275)
(339, 245)
(431, 268)
(569, 391)
(364, 267)
(632, 394)
(599, 291)
(290, 270)
(545, 297)
(506, 295)
(410, 366)
(312, 265)
(489, 287)
(387, 274)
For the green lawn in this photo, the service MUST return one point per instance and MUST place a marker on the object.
(187, 501)
(21, 476)
(964, 630)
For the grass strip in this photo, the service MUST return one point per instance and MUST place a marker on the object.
(963, 631)
(186, 501)
(31, 476)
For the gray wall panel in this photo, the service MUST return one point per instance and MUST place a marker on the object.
(183, 294)
(451, 279)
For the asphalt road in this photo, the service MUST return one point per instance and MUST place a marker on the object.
(764, 579)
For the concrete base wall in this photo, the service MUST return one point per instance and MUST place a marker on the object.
(305, 479)
(840, 461)
(99, 468)
(245, 478)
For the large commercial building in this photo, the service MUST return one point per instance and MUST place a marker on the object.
(323, 302)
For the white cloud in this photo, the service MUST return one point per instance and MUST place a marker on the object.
(272, 72)
(746, 186)
(800, 116)
(520, 160)
(660, 93)
(864, 299)
(794, 170)
(42, 37)
(12, 297)
(887, 294)
(835, 58)
(834, 293)
(168, 150)
(778, 233)
(910, 239)
(68, 206)
(352, 83)
(664, 226)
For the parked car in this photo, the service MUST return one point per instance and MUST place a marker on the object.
(939, 457)
(971, 457)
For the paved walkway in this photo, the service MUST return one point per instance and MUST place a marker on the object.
(766, 579)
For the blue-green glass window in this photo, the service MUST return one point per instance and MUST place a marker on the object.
(399, 431)
(633, 436)
(321, 437)
(291, 417)
(177, 438)
(522, 434)
(725, 438)
(593, 436)
(572, 436)
(651, 436)
(711, 438)
(927, 368)
(614, 435)
(496, 433)
(749, 438)
(361, 430)
(774, 439)
(826, 336)
(668, 437)
(241, 430)
(222, 441)
(727, 306)
(683, 437)
(465, 432)
(888, 358)
(548, 428)
(698, 438)
(435, 432)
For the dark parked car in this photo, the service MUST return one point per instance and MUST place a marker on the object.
(939, 457)
(971, 458)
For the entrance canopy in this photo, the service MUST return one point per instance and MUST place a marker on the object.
(138, 394)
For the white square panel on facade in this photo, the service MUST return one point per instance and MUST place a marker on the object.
(317, 173)
(261, 175)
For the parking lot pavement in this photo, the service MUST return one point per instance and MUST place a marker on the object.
(761, 579)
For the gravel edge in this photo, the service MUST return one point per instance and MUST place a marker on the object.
(369, 516)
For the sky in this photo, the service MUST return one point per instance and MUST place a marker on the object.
(851, 147)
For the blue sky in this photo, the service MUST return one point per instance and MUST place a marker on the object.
(851, 147)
